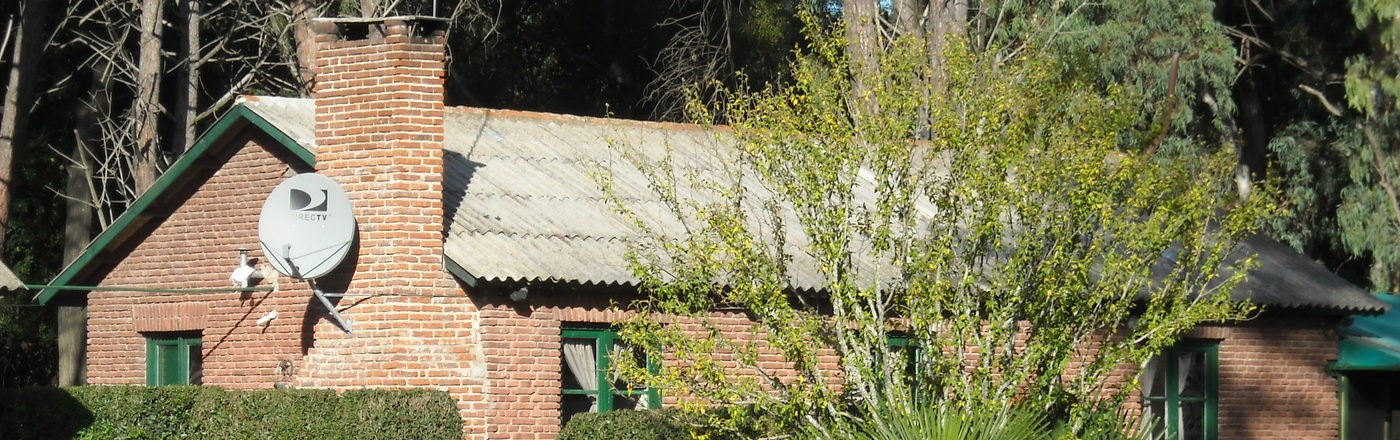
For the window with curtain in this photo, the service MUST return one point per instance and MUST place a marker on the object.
(1180, 391)
(174, 359)
(590, 384)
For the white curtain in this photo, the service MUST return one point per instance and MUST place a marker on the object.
(583, 364)
(1184, 364)
(619, 350)
(1149, 376)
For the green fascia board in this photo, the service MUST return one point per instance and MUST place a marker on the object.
(213, 141)
(458, 271)
(1371, 343)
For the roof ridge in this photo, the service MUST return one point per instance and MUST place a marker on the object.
(571, 237)
(589, 120)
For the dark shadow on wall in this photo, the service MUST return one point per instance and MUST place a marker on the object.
(457, 173)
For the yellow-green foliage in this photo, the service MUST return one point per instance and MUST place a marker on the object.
(1011, 221)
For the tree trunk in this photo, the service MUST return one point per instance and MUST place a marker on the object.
(862, 51)
(187, 89)
(72, 345)
(78, 222)
(369, 8)
(146, 106)
(19, 95)
(303, 11)
(907, 17)
(946, 18)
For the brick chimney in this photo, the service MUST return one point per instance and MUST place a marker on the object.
(379, 133)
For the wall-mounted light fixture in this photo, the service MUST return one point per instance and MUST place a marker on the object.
(244, 274)
(520, 295)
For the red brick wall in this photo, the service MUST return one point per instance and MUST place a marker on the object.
(1273, 380)
(522, 344)
(379, 131)
(193, 248)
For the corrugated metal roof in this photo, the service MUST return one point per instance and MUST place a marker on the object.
(295, 117)
(524, 204)
(523, 192)
(1285, 278)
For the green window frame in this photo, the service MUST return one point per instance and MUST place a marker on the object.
(1182, 392)
(174, 359)
(905, 346)
(610, 394)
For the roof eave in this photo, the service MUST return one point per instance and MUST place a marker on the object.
(211, 142)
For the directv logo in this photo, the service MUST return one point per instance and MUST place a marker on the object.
(303, 204)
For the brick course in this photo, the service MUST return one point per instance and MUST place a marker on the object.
(194, 247)
(379, 131)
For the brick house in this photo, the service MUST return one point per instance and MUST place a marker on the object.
(486, 261)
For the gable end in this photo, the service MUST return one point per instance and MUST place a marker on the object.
(162, 193)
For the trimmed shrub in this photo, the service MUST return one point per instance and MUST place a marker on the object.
(625, 425)
(134, 412)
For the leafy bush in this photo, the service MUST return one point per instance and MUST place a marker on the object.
(939, 422)
(625, 425)
(983, 421)
(735, 422)
(129, 412)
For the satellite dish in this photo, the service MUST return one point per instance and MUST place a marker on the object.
(306, 226)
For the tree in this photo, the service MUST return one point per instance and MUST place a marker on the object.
(1370, 211)
(19, 92)
(1017, 248)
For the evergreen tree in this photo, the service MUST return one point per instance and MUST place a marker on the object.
(1370, 213)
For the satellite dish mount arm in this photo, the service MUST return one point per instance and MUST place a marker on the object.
(341, 321)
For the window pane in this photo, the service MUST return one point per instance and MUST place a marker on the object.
(168, 371)
(1157, 411)
(1192, 421)
(575, 404)
(580, 364)
(196, 373)
(1157, 375)
(1191, 366)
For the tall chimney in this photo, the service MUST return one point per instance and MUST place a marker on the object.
(379, 133)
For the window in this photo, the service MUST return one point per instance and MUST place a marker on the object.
(1180, 391)
(904, 349)
(173, 359)
(590, 384)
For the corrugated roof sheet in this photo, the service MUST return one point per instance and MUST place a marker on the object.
(8, 280)
(524, 204)
(295, 117)
(523, 192)
(1285, 278)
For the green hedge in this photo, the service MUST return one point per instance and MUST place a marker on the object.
(722, 423)
(625, 425)
(121, 412)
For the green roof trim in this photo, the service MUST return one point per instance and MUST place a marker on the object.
(217, 137)
(458, 271)
(1371, 343)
